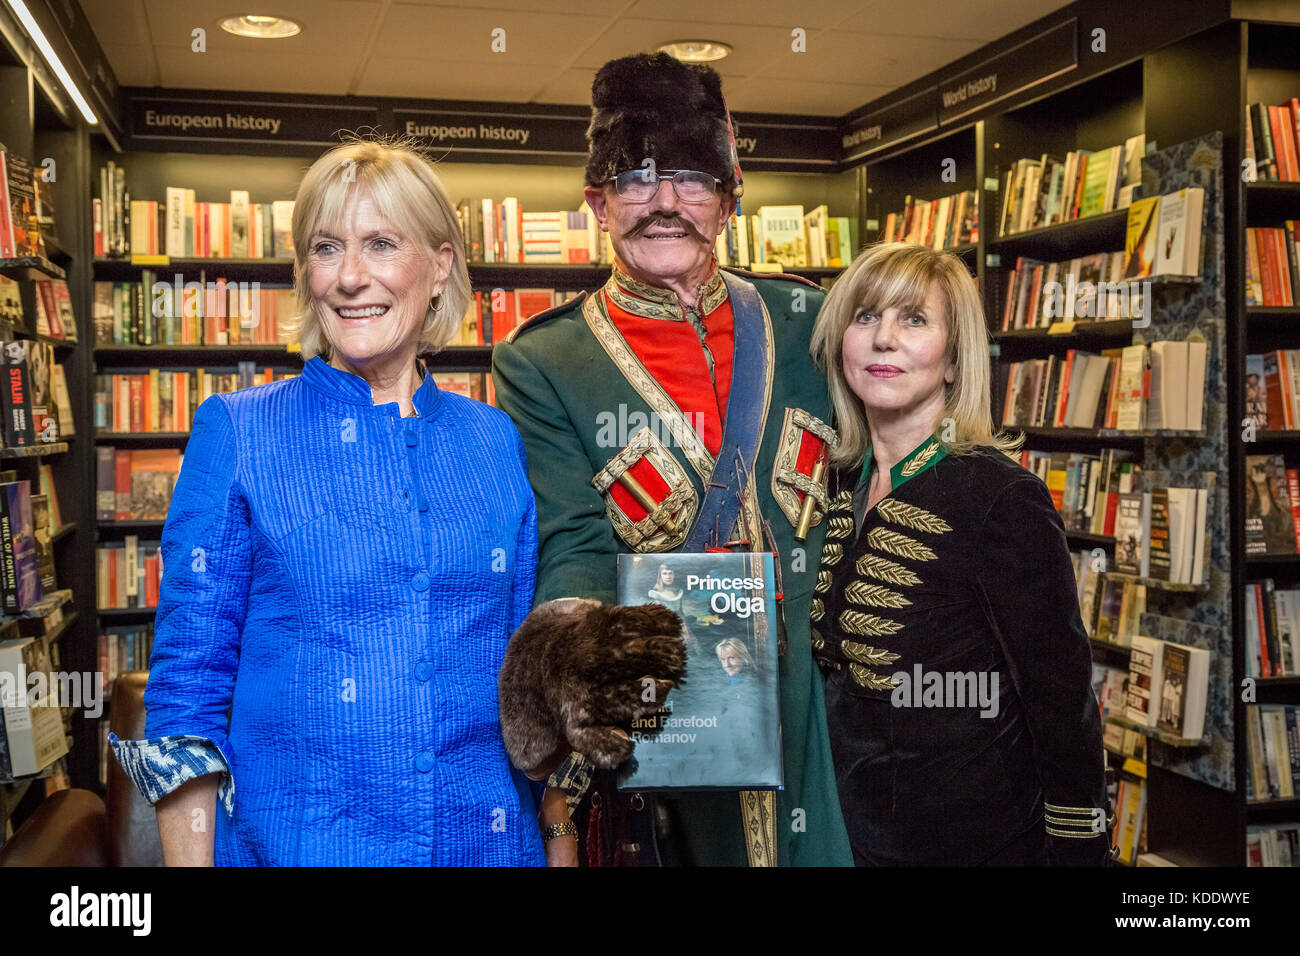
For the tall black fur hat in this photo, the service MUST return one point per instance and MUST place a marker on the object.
(651, 106)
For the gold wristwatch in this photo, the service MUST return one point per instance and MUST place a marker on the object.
(554, 830)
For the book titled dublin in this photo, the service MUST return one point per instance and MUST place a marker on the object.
(721, 727)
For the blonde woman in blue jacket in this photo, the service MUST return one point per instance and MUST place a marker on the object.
(347, 553)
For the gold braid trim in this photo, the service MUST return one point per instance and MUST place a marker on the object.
(867, 625)
(910, 516)
(874, 595)
(919, 462)
(900, 544)
(882, 569)
(870, 679)
(838, 526)
(866, 654)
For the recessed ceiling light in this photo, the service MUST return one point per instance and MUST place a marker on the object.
(260, 27)
(696, 51)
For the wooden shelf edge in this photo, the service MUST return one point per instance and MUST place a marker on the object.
(35, 451)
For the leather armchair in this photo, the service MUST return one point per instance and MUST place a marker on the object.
(76, 828)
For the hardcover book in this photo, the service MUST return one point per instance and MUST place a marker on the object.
(30, 722)
(22, 582)
(1146, 670)
(25, 233)
(1183, 689)
(1269, 526)
(721, 728)
(11, 304)
(783, 236)
(1140, 238)
(15, 396)
(1132, 533)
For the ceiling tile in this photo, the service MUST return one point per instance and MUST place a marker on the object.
(569, 86)
(606, 9)
(330, 28)
(133, 65)
(972, 19)
(285, 73)
(809, 14)
(117, 22)
(435, 33)
(448, 80)
(867, 58)
(752, 46)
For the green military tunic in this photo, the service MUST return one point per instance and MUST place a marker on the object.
(561, 376)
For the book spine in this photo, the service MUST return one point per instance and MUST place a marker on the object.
(8, 567)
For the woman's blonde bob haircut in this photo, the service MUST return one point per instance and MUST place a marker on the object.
(899, 274)
(409, 195)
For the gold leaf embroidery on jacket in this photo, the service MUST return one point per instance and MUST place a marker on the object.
(899, 544)
(843, 501)
(816, 610)
(867, 625)
(866, 654)
(860, 592)
(832, 551)
(882, 569)
(839, 526)
(919, 462)
(818, 642)
(823, 581)
(910, 516)
(870, 679)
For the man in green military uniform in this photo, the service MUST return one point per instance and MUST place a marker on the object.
(678, 409)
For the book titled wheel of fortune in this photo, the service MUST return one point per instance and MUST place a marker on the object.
(720, 728)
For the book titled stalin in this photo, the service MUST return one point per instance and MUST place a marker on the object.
(720, 728)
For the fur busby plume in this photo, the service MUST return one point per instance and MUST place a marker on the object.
(651, 106)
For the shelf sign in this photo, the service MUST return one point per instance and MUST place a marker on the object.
(475, 134)
(154, 120)
(1038, 59)
(768, 142)
(874, 131)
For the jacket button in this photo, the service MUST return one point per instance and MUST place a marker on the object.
(423, 670)
(420, 581)
(424, 762)
(411, 439)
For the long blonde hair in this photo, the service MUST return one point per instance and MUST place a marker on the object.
(409, 195)
(899, 274)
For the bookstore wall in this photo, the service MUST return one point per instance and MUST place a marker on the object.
(1131, 218)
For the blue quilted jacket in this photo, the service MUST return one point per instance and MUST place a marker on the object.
(340, 586)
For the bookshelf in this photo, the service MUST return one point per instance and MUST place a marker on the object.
(1174, 87)
(36, 122)
(1271, 76)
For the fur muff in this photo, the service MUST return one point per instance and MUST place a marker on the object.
(651, 106)
(576, 672)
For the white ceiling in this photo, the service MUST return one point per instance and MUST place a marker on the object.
(857, 50)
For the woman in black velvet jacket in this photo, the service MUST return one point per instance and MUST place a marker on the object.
(963, 724)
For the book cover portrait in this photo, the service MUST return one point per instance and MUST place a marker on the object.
(721, 727)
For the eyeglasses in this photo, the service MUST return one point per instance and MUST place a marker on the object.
(640, 185)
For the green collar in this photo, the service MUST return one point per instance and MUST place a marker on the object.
(923, 456)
